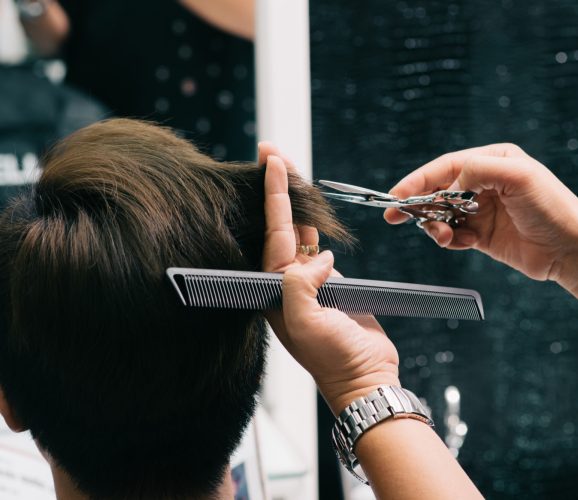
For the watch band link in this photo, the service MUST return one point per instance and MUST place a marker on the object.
(363, 413)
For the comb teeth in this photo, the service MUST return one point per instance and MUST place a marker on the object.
(260, 291)
(231, 292)
(387, 301)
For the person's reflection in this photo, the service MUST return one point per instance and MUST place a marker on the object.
(187, 64)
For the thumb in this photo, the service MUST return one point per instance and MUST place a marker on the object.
(300, 284)
(487, 173)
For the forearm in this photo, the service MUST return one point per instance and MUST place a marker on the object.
(233, 16)
(48, 31)
(404, 459)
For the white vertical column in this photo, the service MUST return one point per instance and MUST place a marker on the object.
(284, 117)
(13, 48)
(283, 78)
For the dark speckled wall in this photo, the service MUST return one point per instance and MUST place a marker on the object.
(397, 83)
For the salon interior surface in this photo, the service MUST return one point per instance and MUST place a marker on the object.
(364, 93)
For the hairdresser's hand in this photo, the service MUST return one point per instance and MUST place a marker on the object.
(528, 219)
(281, 236)
(347, 357)
(48, 32)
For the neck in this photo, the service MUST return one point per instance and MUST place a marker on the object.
(64, 487)
(67, 490)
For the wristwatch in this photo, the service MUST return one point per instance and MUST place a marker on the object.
(31, 9)
(385, 402)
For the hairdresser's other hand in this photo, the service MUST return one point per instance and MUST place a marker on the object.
(527, 219)
(347, 357)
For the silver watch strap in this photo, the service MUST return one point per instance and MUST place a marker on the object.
(363, 413)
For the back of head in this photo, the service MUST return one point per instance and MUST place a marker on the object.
(132, 394)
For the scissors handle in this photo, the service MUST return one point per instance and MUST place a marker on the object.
(450, 207)
(452, 216)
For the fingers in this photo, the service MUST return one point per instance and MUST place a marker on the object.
(440, 232)
(447, 237)
(279, 250)
(444, 173)
(394, 216)
(300, 288)
(300, 285)
(487, 173)
(277, 212)
(464, 239)
(266, 149)
(434, 175)
(308, 235)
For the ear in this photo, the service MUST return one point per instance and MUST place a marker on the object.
(9, 416)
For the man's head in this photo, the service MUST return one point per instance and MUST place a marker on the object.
(133, 395)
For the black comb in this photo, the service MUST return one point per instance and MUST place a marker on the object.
(260, 291)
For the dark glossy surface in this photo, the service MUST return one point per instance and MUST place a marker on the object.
(396, 84)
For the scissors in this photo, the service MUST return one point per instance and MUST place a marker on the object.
(451, 207)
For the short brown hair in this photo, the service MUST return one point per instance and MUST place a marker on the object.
(131, 393)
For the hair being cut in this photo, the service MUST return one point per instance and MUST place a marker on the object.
(132, 394)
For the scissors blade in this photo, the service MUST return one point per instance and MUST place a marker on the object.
(363, 200)
(350, 198)
(350, 188)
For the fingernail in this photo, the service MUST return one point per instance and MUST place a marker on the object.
(325, 257)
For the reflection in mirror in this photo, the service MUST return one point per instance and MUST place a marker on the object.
(188, 64)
